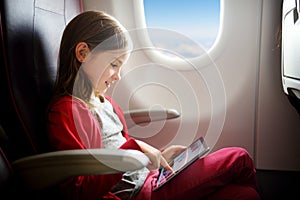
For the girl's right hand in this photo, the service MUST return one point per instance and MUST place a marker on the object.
(155, 156)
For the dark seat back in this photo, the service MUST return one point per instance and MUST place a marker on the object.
(30, 36)
(30, 33)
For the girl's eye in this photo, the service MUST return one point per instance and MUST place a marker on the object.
(113, 65)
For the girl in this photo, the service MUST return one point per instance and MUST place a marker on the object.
(93, 49)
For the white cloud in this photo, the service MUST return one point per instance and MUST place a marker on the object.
(173, 43)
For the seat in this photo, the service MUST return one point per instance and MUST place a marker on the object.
(6, 175)
(30, 37)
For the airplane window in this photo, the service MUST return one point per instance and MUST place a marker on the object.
(189, 25)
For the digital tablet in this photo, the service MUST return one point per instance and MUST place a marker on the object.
(197, 149)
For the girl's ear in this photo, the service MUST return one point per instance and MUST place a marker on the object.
(81, 51)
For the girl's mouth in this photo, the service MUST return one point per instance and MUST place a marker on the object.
(107, 84)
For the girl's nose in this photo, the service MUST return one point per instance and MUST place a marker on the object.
(117, 75)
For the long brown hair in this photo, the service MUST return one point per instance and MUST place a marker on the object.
(93, 28)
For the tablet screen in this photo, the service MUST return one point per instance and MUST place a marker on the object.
(184, 159)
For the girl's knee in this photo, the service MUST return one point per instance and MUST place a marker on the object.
(235, 152)
(238, 156)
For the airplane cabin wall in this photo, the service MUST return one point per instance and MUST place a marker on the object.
(252, 113)
(278, 124)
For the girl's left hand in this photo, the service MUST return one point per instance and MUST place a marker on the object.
(172, 151)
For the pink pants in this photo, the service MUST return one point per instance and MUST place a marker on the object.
(228, 173)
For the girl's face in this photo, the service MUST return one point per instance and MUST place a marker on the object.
(103, 68)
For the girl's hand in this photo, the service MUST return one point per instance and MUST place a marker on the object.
(155, 156)
(172, 151)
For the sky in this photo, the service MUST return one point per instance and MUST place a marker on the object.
(196, 19)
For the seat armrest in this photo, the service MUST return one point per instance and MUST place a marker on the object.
(47, 169)
(139, 116)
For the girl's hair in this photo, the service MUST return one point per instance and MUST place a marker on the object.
(93, 28)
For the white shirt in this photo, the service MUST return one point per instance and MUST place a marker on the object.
(112, 138)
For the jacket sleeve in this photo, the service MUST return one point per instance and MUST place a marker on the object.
(70, 127)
